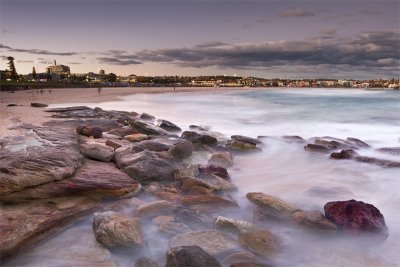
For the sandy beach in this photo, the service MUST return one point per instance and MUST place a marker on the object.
(24, 113)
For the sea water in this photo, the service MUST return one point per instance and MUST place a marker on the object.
(285, 170)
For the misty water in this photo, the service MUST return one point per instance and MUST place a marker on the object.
(286, 170)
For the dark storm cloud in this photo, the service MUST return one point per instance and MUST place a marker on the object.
(368, 50)
(37, 51)
(296, 12)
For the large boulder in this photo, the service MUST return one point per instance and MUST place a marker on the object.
(199, 139)
(241, 146)
(276, 208)
(213, 242)
(182, 150)
(344, 154)
(24, 225)
(97, 151)
(260, 241)
(168, 126)
(95, 132)
(245, 139)
(193, 256)
(318, 148)
(96, 179)
(113, 229)
(148, 128)
(357, 218)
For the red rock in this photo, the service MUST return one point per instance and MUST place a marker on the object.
(214, 169)
(356, 217)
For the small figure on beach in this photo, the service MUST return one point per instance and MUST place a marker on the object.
(99, 90)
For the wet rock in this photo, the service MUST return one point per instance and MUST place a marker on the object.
(233, 225)
(356, 218)
(39, 105)
(153, 188)
(212, 242)
(113, 144)
(199, 139)
(150, 210)
(333, 143)
(94, 179)
(162, 219)
(222, 184)
(136, 137)
(196, 186)
(208, 202)
(147, 117)
(274, 207)
(212, 169)
(237, 145)
(145, 262)
(124, 204)
(187, 171)
(390, 150)
(222, 158)
(195, 219)
(344, 154)
(357, 142)
(95, 132)
(250, 264)
(12, 105)
(23, 225)
(113, 229)
(317, 148)
(147, 171)
(193, 256)
(293, 139)
(68, 109)
(239, 257)
(181, 150)
(168, 126)
(380, 162)
(261, 242)
(245, 139)
(312, 220)
(97, 151)
(122, 131)
(147, 128)
(170, 229)
(83, 250)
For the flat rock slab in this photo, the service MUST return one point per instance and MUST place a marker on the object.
(97, 179)
(75, 246)
(24, 225)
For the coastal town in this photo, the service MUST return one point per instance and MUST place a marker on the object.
(59, 75)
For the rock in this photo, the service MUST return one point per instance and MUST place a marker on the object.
(233, 225)
(39, 105)
(168, 126)
(124, 204)
(113, 144)
(145, 262)
(333, 143)
(113, 229)
(181, 150)
(274, 207)
(95, 179)
(245, 139)
(293, 139)
(136, 137)
(12, 105)
(154, 209)
(344, 154)
(196, 186)
(153, 188)
(83, 250)
(317, 148)
(193, 256)
(380, 162)
(239, 257)
(214, 169)
(122, 131)
(147, 117)
(187, 171)
(199, 139)
(162, 219)
(195, 219)
(390, 150)
(221, 184)
(208, 202)
(212, 242)
(356, 142)
(250, 264)
(261, 242)
(147, 171)
(241, 146)
(147, 128)
(24, 225)
(170, 229)
(222, 158)
(97, 151)
(96, 132)
(357, 218)
(312, 220)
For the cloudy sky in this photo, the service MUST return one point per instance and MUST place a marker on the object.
(293, 39)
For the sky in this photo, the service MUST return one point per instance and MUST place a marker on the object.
(272, 39)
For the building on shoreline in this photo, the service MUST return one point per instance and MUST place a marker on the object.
(59, 70)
